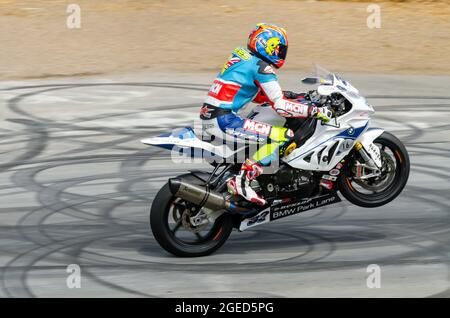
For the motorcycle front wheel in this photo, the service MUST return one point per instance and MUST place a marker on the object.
(381, 189)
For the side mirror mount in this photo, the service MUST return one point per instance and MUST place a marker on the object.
(310, 80)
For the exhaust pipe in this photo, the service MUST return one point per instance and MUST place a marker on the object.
(202, 196)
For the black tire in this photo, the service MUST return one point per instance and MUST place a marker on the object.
(160, 209)
(393, 190)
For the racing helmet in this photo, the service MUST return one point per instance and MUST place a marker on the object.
(269, 42)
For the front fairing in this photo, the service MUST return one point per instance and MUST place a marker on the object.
(329, 83)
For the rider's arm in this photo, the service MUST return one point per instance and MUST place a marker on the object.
(268, 84)
(261, 98)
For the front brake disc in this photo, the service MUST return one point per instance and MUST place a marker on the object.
(383, 181)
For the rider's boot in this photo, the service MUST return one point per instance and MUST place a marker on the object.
(240, 184)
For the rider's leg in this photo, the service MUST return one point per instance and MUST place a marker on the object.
(275, 148)
(240, 184)
(277, 140)
(233, 128)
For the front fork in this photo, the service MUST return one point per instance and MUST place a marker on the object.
(328, 179)
(368, 157)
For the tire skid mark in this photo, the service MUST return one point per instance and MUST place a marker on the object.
(95, 225)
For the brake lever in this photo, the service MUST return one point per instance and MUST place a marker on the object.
(336, 124)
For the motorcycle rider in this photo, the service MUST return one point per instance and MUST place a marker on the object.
(249, 76)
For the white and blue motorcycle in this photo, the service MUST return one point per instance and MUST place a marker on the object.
(193, 214)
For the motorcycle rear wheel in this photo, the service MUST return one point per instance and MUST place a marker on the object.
(167, 208)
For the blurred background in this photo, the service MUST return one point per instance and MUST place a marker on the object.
(134, 35)
(76, 184)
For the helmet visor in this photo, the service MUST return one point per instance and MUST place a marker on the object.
(282, 51)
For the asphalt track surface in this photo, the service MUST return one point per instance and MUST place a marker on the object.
(76, 186)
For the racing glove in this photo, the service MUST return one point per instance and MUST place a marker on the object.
(321, 113)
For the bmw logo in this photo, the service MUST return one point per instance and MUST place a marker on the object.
(351, 131)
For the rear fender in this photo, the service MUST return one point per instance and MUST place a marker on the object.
(186, 138)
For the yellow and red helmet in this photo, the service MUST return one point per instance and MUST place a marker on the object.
(269, 42)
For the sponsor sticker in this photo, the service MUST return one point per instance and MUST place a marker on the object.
(244, 136)
(328, 177)
(347, 144)
(230, 62)
(242, 53)
(223, 91)
(295, 108)
(341, 88)
(334, 172)
(269, 70)
(260, 218)
(327, 184)
(257, 127)
(282, 210)
(216, 87)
